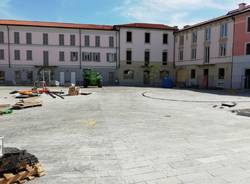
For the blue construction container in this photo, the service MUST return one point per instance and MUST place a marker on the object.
(167, 82)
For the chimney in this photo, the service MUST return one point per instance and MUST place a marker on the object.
(242, 6)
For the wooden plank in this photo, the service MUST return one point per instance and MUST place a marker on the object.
(9, 178)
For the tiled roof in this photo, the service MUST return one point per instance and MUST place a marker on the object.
(147, 26)
(230, 14)
(55, 24)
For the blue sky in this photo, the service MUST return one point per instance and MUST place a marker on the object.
(172, 12)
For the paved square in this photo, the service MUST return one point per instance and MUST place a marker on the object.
(118, 136)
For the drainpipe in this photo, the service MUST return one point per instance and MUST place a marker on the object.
(174, 67)
(80, 47)
(232, 65)
(8, 29)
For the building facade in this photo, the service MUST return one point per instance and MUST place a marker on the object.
(146, 53)
(31, 51)
(210, 54)
(241, 51)
(55, 52)
(215, 53)
(204, 54)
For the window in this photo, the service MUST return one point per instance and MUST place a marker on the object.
(128, 74)
(46, 58)
(147, 37)
(2, 76)
(72, 40)
(165, 58)
(147, 57)
(223, 30)
(61, 56)
(129, 56)
(193, 74)
(61, 39)
(221, 73)
(45, 39)
(111, 42)
(28, 38)
(97, 41)
(207, 54)
(165, 38)
(73, 56)
(223, 49)
(17, 54)
(1, 37)
(181, 55)
(96, 57)
(208, 34)
(129, 36)
(111, 57)
(86, 41)
(181, 42)
(87, 56)
(248, 49)
(16, 38)
(18, 76)
(194, 37)
(248, 24)
(29, 55)
(193, 53)
(1, 54)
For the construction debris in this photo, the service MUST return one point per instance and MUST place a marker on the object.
(5, 109)
(243, 112)
(230, 105)
(18, 166)
(85, 94)
(74, 91)
(27, 103)
(36, 92)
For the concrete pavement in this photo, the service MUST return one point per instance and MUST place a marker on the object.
(117, 136)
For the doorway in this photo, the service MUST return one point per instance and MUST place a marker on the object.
(111, 77)
(45, 75)
(205, 78)
(73, 77)
(247, 79)
(62, 78)
(146, 77)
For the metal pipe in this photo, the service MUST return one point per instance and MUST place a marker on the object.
(8, 29)
(1, 146)
(80, 47)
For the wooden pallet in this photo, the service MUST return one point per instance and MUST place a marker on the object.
(28, 174)
(27, 103)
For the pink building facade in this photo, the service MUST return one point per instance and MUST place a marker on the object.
(241, 51)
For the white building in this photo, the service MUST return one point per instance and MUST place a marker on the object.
(146, 53)
(47, 51)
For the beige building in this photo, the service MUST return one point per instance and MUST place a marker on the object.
(146, 53)
(203, 54)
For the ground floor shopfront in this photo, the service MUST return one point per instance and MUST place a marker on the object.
(205, 76)
(137, 74)
(241, 72)
(27, 75)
